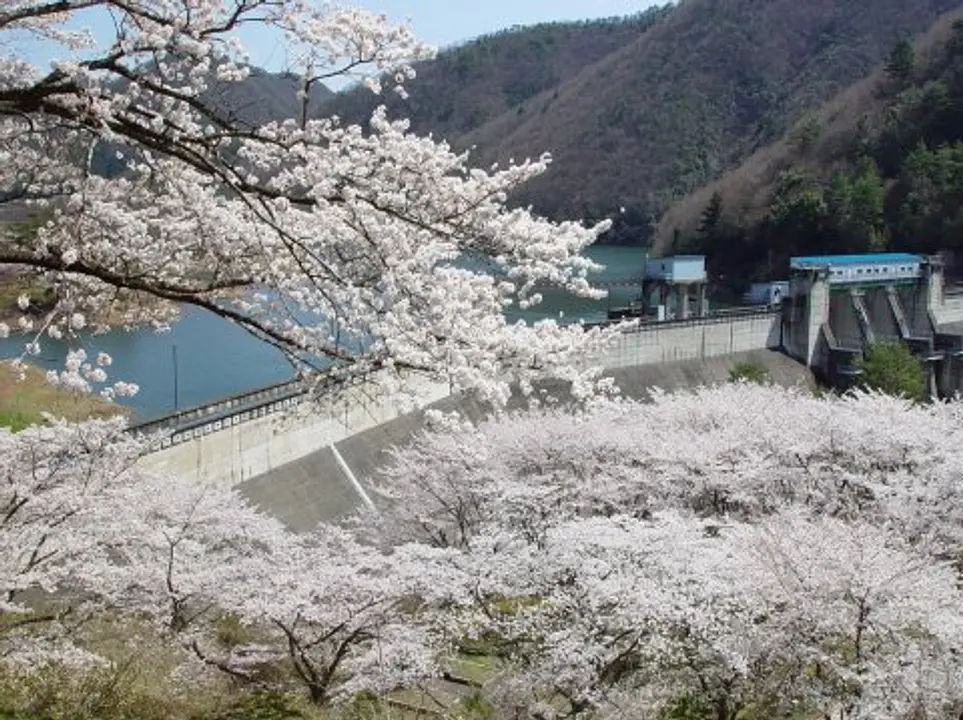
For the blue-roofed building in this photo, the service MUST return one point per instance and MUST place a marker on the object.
(838, 305)
(869, 269)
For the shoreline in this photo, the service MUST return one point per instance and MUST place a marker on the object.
(14, 284)
(23, 402)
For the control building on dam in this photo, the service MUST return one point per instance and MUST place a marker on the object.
(838, 305)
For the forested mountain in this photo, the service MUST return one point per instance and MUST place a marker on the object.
(638, 112)
(264, 96)
(261, 97)
(879, 167)
(470, 85)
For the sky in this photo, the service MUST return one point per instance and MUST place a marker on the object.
(441, 22)
(448, 22)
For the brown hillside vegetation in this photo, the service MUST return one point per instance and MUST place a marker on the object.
(694, 96)
(833, 128)
(472, 84)
(638, 113)
(264, 96)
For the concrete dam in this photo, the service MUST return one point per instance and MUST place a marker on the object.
(317, 488)
(839, 305)
(240, 438)
(318, 466)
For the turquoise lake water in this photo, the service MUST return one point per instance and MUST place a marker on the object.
(215, 358)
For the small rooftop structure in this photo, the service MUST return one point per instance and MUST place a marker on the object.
(672, 288)
(861, 269)
(682, 269)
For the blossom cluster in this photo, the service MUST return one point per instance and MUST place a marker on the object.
(349, 249)
(738, 546)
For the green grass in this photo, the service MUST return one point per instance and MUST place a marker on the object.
(16, 420)
(474, 668)
(749, 371)
(24, 402)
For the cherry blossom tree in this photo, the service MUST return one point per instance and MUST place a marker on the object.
(351, 617)
(353, 251)
(739, 549)
(52, 478)
(735, 549)
(86, 534)
(356, 252)
(343, 616)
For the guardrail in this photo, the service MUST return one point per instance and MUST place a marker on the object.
(216, 423)
(617, 283)
(229, 406)
(714, 317)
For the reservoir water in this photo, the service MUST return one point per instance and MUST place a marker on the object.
(203, 357)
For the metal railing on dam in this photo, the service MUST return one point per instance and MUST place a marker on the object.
(713, 318)
(195, 422)
(211, 417)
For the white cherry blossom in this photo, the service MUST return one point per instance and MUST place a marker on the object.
(355, 252)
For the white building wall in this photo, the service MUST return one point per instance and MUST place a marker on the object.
(678, 269)
(874, 273)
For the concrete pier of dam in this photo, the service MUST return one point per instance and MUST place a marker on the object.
(840, 305)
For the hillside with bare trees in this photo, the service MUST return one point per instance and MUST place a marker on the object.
(639, 112)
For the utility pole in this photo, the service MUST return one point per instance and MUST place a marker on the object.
(174, 360)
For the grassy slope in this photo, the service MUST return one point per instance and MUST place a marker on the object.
(12, 286)
(23, 402)
(746, 189)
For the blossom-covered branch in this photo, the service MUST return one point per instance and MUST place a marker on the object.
(353, 251)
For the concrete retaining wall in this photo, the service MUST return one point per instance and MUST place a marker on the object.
(951, 310)
(232, 454)
(315, 489)
(693, 339)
